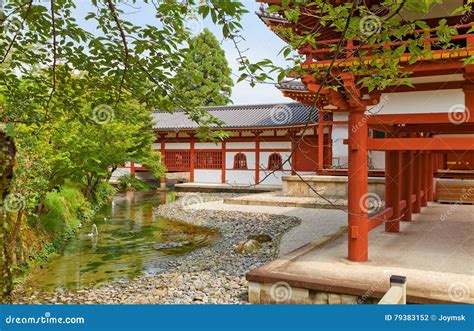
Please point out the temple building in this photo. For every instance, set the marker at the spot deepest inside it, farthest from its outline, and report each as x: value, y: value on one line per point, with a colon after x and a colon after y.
x: 418, y: 127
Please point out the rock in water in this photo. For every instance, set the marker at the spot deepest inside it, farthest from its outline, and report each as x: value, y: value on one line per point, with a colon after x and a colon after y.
x: 170, y: 245
x: 261, y: 238
x: 248, y: 247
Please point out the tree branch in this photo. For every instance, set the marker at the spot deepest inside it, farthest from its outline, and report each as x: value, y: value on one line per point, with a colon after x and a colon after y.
x: 119, y: 25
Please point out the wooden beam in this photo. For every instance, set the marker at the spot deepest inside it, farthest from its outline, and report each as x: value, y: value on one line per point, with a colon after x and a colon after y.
x: 427, y: 118
x: 421, y: 144
x: 437, y: 128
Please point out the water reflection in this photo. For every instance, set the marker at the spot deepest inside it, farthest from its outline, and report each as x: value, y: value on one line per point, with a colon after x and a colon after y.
x: 124, y: 247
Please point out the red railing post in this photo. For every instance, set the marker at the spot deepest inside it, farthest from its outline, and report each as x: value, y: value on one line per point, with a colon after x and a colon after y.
x: 424, y: 179
x: 417, y: 184
x: 392, y: 189
x: 407, y: 165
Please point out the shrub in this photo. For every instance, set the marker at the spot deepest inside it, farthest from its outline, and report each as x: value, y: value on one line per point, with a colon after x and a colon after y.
x: 127, y: 183
x: 103, y: 193
x: 64, y: 210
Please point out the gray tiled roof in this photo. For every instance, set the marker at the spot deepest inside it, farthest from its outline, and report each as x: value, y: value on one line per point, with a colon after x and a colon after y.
x: 248, y: 116
x: 265, y: 14
x: 292, y: 85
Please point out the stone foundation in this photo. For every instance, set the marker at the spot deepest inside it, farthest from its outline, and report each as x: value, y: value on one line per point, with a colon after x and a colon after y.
x: 331, y: 187
x: 282, y: 293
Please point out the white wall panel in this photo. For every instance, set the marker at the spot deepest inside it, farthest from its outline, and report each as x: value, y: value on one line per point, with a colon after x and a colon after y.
x: 421, y: 102
x: 240, y: 177
x: 157, y: 146
x: 273, y: 178
x: 207, y: 176
x: 178, y: 146
x: 241, y: 145
x: 339, y: 149
x: 207, y: 145
x: 377, y: 159
x: 275, y: 144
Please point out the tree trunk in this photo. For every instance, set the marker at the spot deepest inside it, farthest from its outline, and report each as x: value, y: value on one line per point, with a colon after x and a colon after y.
x: 14, y: 236
x: 39, y: 210
x: 7, y: 160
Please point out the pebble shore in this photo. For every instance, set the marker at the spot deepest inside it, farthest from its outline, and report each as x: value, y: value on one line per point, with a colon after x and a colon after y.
x: 212, y: 274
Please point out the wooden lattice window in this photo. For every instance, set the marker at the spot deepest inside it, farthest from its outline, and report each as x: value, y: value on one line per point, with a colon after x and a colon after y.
x: 208, y: 160
x: 178, y: 160
x: 275, y: 162
x: 240, y: 161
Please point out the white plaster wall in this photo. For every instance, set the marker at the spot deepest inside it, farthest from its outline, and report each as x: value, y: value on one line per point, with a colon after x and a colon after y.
x: 241, y: 145
x: 264, y: 159
x: 207, y: 176
x: 157, y: 146
x: 273, y: 178
x: 177, y: 146
x: 377, y: 159
x: 421, y: 102
x: 240, y: 177
x: 229, y: 159
x: 275, y: 144
x: 207, y: 146
x: 339, y: 149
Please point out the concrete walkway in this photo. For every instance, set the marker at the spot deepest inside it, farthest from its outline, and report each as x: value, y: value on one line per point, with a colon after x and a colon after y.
x: 435, y: 252
x: 315, y: 223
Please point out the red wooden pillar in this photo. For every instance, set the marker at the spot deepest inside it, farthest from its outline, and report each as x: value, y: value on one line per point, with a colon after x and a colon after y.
x: 329, y: 144
x: 392, y: 189
x: 162, y: 151
x: 191, y: 161
x: 358, y: 236
x: 417, y: 184
x: 429, y: 177
x: 132, y: 169
x: 257, y: 160
x: 293, y: 155
x: 424, y: 181
x: 223, y: 162
x: 407, y: 174
x: 320, y: 164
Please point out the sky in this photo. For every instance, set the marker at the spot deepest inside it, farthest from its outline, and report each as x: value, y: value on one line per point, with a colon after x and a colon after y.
x: 259, y: 42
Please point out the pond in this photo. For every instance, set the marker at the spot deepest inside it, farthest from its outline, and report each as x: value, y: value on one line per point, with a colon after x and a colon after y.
x: 123, y: 248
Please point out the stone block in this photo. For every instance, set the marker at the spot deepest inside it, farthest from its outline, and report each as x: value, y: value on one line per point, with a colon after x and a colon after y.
x: 334, y: 299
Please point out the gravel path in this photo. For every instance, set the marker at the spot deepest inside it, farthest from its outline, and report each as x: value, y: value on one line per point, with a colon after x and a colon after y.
x: 315, y: 223
x: 213, y: 274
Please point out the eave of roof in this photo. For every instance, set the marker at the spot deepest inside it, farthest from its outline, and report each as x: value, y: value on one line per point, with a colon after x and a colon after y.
x: 262, y: 116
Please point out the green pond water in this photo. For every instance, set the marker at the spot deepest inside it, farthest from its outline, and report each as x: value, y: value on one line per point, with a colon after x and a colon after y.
x: 124, y: 247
